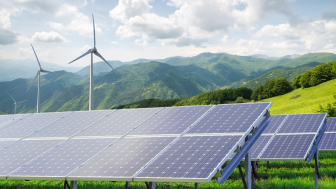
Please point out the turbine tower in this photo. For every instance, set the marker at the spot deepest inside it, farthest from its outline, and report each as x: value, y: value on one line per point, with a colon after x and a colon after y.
x: 92, y: 51
x: 15, y: 103
x: 39, y: 80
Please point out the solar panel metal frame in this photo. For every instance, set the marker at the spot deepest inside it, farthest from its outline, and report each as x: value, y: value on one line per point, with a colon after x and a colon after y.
x: 53, y: 177
x: 218, y: 167
x: 7, y: 123
x: 292, y: 159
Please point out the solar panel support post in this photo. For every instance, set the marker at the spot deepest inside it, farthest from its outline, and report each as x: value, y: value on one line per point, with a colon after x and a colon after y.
x: 128, y: 185
x: 317, y: 175
x: 196, y: 185
x: 248, y: 169
x: 73, y: 185
x: 254, y: 171
x: 150, y: 185
x: 230, y: 167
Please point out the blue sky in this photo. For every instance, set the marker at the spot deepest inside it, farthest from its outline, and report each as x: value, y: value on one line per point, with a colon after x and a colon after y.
x: 61, y: 30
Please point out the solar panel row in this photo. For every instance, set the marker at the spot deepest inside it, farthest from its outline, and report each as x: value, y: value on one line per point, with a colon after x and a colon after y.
x: 287, y: 137
x: 122, y: 158
x: 328, y: 142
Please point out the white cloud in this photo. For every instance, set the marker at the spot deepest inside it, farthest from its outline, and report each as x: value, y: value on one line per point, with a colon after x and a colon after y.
x: 57, y: 26
x: 7, y: 36
x: 52, y: 37
x: 225, y: 39
x: 195, y: 20
x: 114, y: 42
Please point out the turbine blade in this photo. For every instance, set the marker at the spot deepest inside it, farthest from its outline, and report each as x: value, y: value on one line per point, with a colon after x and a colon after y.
x: 11, y: 96
x: 50, y: 72
x: 36, y: 56
x: 88, y: 52
x: 94, y: 32
x: 100, y: 56
x: 33, y: 81
x: 21, y: 102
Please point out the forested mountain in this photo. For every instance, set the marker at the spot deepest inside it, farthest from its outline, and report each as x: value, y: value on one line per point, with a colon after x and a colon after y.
x: 183, y: 77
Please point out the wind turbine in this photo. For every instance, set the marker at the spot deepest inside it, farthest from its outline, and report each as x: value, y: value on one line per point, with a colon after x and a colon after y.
x: 39, y: 80
x: 92, y: 51
x: 15, y: 103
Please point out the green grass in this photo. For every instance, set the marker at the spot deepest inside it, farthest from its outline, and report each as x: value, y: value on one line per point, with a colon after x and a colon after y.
x: 279, y: 175
x: 308, y: 102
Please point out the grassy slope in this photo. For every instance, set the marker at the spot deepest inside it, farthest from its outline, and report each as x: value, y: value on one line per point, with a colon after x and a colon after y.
x: 309, y: 101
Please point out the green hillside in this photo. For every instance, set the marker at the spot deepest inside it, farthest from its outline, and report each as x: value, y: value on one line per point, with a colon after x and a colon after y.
x: 288, y: 74
x: 308, y: 102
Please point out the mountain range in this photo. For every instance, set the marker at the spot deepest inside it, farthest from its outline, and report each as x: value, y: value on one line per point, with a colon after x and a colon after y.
x: 175, y: 77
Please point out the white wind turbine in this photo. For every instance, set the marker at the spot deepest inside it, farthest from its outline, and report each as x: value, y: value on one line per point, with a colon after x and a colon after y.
x: 92, y: 51
x: 39, y: 80
x: 15, y: 103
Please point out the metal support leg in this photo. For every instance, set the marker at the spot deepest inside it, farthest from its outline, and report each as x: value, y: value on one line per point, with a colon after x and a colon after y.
x: 66, y: 185
x: 317, y: 175
x: 248, y: 169
x: 196, y: 185
x: 128, y: 185
x: 73, y: 185
x: 254, y: 171
x: 242, y: 176
x: 151, y: 185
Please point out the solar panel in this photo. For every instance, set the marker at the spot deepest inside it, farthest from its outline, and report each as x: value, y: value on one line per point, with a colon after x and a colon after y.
x: 20, y: 153
x: 274, y: 123
x: 190, y: 158
x: 120, y: 122
x: 5, y: 143
x: 171, y: 120
x: 71, y: 124
x: 29, y: 124
x: 331, y: 121
x: 328, y: 142
x: 63, y: 159
x: 235, y: 118
x: 123, y: 159
x: 8, y: 119
x: 288, y: 147
x: 303, y: 123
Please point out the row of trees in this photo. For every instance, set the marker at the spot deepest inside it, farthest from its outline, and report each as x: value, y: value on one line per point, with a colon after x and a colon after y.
x: 271, y: 88
x: 219, y: 96
x: 315, y: 76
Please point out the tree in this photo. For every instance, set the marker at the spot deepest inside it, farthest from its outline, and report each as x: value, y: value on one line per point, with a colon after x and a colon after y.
x: 304, y: 82
x: 333, y: 70
x: 296, y: 82
x: 281, y: 86
x: 255, y: 94
x: 319, y: 74
x: 239, y: 100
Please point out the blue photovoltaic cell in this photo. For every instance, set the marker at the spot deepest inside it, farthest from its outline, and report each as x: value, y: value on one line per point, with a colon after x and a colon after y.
x: 258, y: 146
x: 20, y: 153
x: 124, y: 158
x: 71, y: 124
x: 235, y: 118
x: 289, y: 147
x: 8, y: 119
x: 328, y: 142
x: 191, y: 157
x: 172, y: 120
x: 30, y: 124
x: 274, y: 123
x: 120, y: 122
x: 5, y: 143
x: 63, y: 159
x: 331, y: 127
x: 302, y: 123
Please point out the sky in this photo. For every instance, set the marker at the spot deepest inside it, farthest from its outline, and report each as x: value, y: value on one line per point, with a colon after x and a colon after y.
x: 61, y: 30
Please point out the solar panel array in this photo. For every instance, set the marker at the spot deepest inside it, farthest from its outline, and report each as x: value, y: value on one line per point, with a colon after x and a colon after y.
x: 287, y: 137
x: 139, y: 144
x: 328, y: 142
